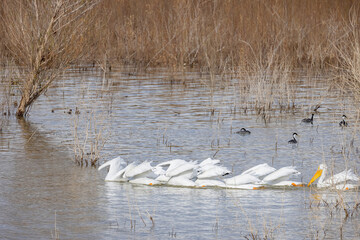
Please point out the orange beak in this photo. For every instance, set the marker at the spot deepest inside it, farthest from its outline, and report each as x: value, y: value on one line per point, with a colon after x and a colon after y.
x: 316, y: 176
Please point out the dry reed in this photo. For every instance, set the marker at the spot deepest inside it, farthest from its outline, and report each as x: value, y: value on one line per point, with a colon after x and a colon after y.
x: 266, y: 39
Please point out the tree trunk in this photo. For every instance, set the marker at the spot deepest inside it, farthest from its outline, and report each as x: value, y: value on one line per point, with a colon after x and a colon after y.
x: 21, y: 108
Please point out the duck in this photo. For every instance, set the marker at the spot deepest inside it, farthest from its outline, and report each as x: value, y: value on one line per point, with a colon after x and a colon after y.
x: 115, y: 166
x: 308, y: 120
x: 243, y: 131
x: 293, y: 140
x: 338, y: 181
x: 343, y: 123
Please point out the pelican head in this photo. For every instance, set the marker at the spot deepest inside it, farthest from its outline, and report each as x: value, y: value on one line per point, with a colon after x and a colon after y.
x: 319, y: 172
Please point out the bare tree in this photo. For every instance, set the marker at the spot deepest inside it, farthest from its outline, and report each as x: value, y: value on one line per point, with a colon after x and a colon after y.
x: 44, y: 38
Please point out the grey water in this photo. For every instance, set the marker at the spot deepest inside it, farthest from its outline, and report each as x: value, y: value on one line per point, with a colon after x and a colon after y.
x: 158, y: 116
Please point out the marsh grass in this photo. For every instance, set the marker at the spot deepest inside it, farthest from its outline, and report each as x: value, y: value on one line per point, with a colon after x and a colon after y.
x: 90, y: 137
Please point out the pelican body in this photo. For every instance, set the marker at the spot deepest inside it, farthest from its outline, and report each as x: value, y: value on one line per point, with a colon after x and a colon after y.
x: 337, y: 181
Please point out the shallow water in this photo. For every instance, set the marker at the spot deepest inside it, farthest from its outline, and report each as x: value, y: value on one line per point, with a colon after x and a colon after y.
x: 144, y: 117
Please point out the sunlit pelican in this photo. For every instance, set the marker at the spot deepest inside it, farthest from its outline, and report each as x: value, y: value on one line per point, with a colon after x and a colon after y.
x: 293, y: 141
x: 281, y: 175
x: 144, y: 169
x: 289, y: 184
x: 338, y: 181
x: 249, y: 186
x: 209, y: 161
x: 210, y: 183
x: 178, y: 173
x: 144, y: 181
x: 241, y: 180
x: 115, y: 165
x: 181, y: 181
x: 186, y: 167
x: 260, y: 170
x: 308, y: 120
x: 212, y: 171
x: 343, y: 123
x: 243, y: 131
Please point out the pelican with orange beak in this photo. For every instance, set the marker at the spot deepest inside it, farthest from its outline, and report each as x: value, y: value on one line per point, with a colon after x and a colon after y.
x: 337, y: 181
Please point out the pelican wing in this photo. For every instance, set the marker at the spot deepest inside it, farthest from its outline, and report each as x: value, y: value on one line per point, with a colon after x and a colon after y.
x: 172, y: 164
x: 142, y: 168
x: 241, y: 179
x: 260, y: 170
x: 344, y: 176
x: 209, y: 161
x: 210, y: 183
x: 281, y: 174
x: 187, y: 166
x: 181, y: 181
x: 215, y: 171
x: 118, y: 161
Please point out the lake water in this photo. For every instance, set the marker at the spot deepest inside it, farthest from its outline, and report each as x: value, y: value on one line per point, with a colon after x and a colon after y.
x: 161, y: 116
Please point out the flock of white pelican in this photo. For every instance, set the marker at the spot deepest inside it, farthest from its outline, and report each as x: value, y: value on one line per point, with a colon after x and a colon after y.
x: 209, y: 173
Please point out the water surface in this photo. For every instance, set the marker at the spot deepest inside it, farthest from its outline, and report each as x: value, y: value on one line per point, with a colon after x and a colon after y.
x: 161, y: 116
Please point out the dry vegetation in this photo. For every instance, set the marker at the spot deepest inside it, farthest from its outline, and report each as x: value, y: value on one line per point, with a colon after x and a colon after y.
x: 249, y: 38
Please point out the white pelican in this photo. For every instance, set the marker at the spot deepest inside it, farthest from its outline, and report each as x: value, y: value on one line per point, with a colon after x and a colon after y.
x: 210, y: 183
x: 209, y: 161
x: 338, y: 181
x: 212, y: 172
x: 138, y: 174
x: 260, y: 170
x: 178, y: 173
x: 145, y: 181
x: 248, y: 186
x: 137, y: 171
x: 281, y: 175
x: 181, y: 181
x: 182, y: 168
x: 115, y: 165
x: 241, y: 180
x: 172, y: 164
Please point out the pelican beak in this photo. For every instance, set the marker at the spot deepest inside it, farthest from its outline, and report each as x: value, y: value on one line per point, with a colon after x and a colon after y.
x: 316, y: 176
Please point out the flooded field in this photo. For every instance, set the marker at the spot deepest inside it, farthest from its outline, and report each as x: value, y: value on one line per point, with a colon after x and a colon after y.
x: 160, y: 116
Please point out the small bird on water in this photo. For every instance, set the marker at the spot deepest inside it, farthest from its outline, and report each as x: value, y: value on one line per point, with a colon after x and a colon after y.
x: 243, y: 131
x: 293, y: 140
x: 308, y: 120
x: 343, y: 123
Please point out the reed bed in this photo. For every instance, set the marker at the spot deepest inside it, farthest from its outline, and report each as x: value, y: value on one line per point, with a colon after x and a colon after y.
x: 211, y: 35
x: 266, y: 39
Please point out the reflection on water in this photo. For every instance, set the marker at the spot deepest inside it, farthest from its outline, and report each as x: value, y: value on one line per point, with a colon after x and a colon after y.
x: 146, y: 118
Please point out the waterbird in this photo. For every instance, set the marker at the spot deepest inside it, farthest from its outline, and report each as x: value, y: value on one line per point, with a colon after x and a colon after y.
x: 337, y: 181
x: 281, y: 177
x: 115, y: 165
x: 308, y: 120
x: 343, y: 123
x: 293, y: 140
x: 243, y: 131
x: 260, y: 170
